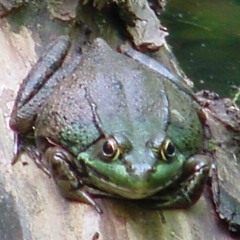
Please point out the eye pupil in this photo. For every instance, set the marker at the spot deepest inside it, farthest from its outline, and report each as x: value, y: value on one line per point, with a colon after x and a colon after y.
x: 167, y: 150
x: 108, y: 148
x: 170, y: 150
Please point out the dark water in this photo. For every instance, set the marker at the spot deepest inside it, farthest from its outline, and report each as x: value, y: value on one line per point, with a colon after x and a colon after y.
x: 205, y: 36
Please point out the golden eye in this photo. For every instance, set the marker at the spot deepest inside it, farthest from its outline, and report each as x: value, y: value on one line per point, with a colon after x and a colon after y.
x: 110, y: 149
x: 167, y: 150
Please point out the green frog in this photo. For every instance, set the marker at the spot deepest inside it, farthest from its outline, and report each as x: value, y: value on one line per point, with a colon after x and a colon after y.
x: 104, y: 124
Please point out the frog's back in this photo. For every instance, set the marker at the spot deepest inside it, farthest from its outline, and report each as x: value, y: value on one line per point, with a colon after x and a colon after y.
x: 109, y: 93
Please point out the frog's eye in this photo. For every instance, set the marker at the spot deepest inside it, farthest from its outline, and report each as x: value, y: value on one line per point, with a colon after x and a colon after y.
x: 110, y: 149
x: 167, y: 150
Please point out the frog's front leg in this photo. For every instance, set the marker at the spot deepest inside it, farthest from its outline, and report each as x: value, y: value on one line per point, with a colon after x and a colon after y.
x: 35, y: 88
x: 188, y: 191
x: 64, y: 174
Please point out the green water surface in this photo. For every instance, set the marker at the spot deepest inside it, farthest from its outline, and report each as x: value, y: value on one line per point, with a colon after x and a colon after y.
x: 205, y: 36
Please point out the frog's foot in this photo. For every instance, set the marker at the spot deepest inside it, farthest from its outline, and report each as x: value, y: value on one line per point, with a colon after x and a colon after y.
x: 25, y: 145
x: 179, y: 78
x: 147, y: 61
x: 64, y: 173
x: 18, y: 147
x: 196, y: 172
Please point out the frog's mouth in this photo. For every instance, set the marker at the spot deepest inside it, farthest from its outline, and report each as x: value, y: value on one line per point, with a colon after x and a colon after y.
x: 125, y: 192
x: 132, y: 188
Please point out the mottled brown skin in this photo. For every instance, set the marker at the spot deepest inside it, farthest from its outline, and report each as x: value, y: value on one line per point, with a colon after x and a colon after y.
x: 114, y: 127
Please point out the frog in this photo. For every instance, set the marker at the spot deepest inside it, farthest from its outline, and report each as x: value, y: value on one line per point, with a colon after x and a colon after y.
x: 104, y: 124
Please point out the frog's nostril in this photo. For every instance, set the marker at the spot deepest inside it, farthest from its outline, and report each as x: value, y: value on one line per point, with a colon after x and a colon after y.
x: 130, y: 169
x: 151, y: 170
x: 141, y: 171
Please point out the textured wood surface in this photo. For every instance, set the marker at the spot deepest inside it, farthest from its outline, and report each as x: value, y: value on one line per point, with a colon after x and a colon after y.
x: 30, y: 205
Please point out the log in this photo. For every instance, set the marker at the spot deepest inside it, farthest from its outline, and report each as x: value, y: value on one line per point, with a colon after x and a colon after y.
x: 31, y: 206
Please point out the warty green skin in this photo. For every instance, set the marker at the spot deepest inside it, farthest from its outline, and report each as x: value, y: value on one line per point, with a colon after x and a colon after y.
x: 111, y: 98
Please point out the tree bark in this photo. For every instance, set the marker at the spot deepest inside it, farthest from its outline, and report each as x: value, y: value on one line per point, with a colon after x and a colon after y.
x: 31, y: 207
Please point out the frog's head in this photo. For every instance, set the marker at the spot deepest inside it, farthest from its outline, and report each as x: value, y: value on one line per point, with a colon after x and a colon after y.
x: 132, y: 168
